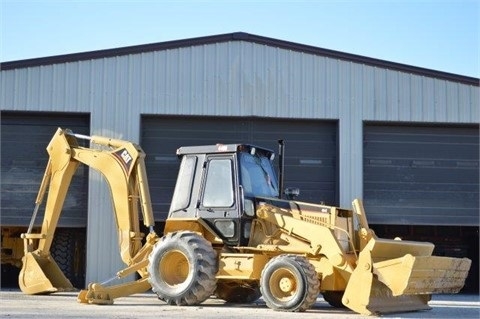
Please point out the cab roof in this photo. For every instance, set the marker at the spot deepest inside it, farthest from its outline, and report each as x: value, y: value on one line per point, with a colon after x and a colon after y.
x: 222, y: 148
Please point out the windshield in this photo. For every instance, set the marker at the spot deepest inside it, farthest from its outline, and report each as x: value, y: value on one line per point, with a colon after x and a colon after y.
x: 257, y: 176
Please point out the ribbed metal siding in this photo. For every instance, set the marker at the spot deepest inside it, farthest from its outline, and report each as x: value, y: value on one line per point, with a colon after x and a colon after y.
x: 241, y: 79
x: 236, y: 78
x: 396, y: 96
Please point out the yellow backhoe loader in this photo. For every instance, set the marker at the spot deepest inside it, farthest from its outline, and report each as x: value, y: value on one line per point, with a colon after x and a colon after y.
x: 229, y: 233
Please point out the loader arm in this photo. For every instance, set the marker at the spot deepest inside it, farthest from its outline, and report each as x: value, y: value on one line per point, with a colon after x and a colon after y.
x: 124, y: 170
x: 302, y: 235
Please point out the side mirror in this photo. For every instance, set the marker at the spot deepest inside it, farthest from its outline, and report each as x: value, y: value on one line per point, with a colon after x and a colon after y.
x: 291, y: 192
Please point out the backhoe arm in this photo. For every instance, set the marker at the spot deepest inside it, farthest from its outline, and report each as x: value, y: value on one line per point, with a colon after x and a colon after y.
x: 124, y: 170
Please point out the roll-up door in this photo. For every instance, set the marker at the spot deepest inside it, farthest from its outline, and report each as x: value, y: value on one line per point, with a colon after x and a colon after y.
x: 421, y: 175
x: 24, y: 138
x: 311, y: 151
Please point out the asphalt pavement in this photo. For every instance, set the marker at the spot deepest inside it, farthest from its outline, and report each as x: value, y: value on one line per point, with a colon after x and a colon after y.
x: 15, y: 304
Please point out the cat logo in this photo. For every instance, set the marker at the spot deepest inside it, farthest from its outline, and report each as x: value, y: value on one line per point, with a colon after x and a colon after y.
x: 124, y: 158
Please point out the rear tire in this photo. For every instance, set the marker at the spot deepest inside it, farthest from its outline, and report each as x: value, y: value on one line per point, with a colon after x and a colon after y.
x: 235, y: 292
x: 289, y: 283
x: 182, y: 268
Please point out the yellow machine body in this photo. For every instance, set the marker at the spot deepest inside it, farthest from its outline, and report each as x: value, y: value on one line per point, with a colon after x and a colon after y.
x: 292, y: 250
x: 370, y: 275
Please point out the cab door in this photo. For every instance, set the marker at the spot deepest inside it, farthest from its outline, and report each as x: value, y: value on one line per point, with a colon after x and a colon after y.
x: 218, y: 204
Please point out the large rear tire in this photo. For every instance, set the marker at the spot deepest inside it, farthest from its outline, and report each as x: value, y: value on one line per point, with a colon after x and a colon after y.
x: 182, y: 268
x: 234, y: 292
x: 289, y: 283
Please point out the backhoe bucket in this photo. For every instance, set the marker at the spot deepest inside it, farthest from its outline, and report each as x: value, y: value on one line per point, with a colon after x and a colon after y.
x: 399, y: 276
x: 41, y: 275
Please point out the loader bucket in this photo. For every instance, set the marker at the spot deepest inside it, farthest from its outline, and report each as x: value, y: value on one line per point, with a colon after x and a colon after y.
x: 41, y: 275
x: 405, y: 281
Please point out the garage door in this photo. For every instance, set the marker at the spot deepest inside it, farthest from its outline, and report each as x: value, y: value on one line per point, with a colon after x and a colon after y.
x: 24, y: 138
x: 310, y: 162
x: 421, y: 175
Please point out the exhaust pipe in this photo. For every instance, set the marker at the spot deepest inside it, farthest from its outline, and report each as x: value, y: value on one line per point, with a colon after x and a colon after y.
x: 281, y: 167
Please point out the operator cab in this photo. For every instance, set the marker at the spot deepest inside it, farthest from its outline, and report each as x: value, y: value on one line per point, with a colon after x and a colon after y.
x: 219, y: 184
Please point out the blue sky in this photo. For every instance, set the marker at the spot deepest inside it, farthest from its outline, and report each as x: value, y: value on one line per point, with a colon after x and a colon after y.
x: 441, y: 35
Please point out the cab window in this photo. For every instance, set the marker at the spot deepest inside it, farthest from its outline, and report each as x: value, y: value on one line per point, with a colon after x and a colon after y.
x: 219, y: 184
x: 183, y: 189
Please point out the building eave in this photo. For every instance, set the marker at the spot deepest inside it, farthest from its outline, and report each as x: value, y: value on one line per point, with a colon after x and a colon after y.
x: 238, y: 36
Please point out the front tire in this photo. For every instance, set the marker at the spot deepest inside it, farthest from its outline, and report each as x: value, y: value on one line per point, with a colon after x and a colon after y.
x: 289, y: 283
x: 182, y: 268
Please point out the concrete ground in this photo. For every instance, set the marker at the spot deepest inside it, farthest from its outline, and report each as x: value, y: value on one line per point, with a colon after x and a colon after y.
x: 14, y: 304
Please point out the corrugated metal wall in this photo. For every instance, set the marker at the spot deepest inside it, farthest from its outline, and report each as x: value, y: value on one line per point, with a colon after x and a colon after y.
x: 235, y: 78
x: 238, y: 79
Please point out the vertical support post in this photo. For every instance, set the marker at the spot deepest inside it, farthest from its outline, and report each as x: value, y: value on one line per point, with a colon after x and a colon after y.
x: 281, y: 167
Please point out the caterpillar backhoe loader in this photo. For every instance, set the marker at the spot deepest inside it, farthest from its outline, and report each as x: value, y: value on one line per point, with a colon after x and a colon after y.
x: 230, y: 233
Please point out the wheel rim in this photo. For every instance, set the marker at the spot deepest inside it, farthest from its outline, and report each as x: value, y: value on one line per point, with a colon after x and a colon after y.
x: 283, y: 284
x: 174, y: 268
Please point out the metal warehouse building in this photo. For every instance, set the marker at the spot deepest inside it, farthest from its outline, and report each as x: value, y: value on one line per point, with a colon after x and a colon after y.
x: 403, y: 138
